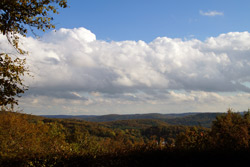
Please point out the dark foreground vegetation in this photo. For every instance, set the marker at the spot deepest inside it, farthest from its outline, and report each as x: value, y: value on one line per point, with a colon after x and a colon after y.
x: 27, y: 140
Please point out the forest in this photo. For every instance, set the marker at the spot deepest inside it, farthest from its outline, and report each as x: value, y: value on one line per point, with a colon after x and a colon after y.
x: 28, y: 140
x: 190, y: 119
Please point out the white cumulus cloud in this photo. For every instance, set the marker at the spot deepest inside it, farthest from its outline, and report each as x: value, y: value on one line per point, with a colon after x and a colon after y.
x: 72, y: 67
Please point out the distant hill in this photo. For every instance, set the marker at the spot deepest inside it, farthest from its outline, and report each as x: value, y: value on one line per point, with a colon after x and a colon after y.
x: 189, y: 119
x: 68, y: 116
x: 113, y: 117
x: 201, y: 119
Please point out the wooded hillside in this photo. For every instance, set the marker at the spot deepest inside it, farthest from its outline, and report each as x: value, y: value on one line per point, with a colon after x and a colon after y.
x: 27, y: 140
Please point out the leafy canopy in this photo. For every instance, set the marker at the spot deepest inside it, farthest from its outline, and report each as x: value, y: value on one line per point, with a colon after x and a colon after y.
x: 16, y: 16
x: 10, y: 79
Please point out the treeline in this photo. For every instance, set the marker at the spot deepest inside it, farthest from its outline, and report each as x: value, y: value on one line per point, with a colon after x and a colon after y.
x: 189, y: 119
x: 27, y: 140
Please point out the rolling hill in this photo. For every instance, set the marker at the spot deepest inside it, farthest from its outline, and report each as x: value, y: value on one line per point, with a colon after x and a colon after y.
x: 189, y: 119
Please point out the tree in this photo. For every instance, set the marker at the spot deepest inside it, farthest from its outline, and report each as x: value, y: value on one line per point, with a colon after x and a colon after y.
x: 16, y: 16
x: 11, y: 82
x: 193, y: 139
x: 231, y: 131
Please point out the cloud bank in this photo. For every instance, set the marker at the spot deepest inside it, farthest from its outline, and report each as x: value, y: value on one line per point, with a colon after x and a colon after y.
x: 76, y: 73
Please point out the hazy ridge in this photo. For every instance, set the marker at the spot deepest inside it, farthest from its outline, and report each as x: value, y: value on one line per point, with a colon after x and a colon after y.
x: 189, y: 119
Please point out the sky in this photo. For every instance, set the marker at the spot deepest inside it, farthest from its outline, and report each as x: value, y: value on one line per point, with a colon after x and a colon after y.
x: 140, y: 56
x: 146, y: 20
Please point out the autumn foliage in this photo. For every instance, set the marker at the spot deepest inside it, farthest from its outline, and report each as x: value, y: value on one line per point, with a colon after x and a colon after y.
x: 27, y: 140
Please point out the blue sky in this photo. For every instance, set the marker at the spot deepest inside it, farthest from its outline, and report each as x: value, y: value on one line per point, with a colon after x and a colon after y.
x: 120, y: 20
x: 140, y: 56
